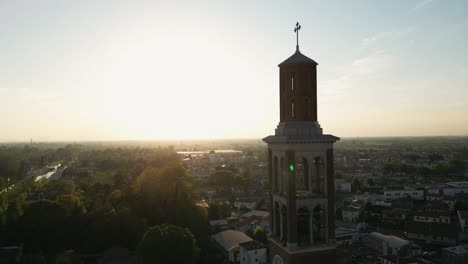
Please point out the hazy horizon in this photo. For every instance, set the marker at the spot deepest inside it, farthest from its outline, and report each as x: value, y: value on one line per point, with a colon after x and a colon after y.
x: 215, y: 140
x: 181, y: 70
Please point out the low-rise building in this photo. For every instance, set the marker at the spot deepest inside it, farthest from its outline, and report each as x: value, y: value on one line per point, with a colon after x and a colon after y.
x: 406, y: 203
x: 259, y: 213
x: 437, y: 207
x: 246, y: 204
x: 390, y: 195
x: 346, y: 235
x: 11, y: 254
x: 447, y: 191
x: 450, y: 202
x: 218, y: 225
x: 228, y: 241
x: 395, y: 214
x: 434, y: 197
x: 384, y: 244
x: 463, y: 220
x: 398, y: 260
x: 352, y: 212
x: 252, y: 252
x: 429, y: 217
x: 249, y: 224
x: 342, y: 186
x: 432, y: 233
x: 455, y: 255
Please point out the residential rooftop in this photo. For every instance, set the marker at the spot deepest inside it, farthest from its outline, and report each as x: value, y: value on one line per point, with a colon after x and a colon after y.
x: 230, y: 238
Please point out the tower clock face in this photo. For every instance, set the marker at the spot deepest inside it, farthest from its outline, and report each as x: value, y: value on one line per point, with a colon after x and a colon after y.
x: 278, y: 260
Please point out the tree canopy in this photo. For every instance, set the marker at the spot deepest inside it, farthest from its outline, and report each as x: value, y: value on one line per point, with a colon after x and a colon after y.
x: 168, y: 244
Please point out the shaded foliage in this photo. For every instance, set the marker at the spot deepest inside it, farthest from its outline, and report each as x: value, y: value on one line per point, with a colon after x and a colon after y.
x: 168, y: 244
x: 259, y: 234
x: 86, y: 214
x: 42, y: 227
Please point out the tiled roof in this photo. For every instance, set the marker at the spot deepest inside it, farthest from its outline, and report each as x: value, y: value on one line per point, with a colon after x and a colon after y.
x: 298, y: 58
x: 230, y: 238
x: 458, y: 250
x: 251, y: 245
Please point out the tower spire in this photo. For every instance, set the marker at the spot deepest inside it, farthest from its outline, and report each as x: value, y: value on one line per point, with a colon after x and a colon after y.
x: 296, y: 29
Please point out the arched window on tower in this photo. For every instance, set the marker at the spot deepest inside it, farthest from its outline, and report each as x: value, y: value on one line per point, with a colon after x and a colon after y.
x: 319, y: 225
x: 317, y: 182
x: 282, y: 177
x: 275, y: 175
x: 277, y: 220
x: 284, y: 224
x: 302, y: 174
x: 303, y: 226
x: 293, y: 114
x: 292, y: 83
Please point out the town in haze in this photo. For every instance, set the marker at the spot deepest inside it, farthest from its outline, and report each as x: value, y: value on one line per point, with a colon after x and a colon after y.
x: 91, y: 202
x: 141, y: 132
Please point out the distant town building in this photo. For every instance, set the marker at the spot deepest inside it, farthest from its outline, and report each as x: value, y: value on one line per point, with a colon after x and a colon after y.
x: 342, y: 186
x: 390, y: 195
x: 385, y: 245
x: 246, y: 204
x: 451, y: 189
x: 433, y: 197
x: 428, y: 217
x: 395, y: 214
x: 432, y: 233
x: 455, y: 255
x: 353, y: 211
x: 435, y: 211
x: 398, y: 260
x: 460, y: 184
x: 463, y: 220
x: 346, y: 235
x: 350, y: 213
x: 210, y: 194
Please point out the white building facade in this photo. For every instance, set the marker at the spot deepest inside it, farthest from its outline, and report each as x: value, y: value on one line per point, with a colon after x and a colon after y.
x: 390, y: 195
x: 252, y: 252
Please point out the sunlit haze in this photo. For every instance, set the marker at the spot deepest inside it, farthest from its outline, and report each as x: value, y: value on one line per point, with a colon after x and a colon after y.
x: 150, y: 70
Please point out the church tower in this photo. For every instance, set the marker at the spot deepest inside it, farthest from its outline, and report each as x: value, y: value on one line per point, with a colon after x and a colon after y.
x: 300, y: 171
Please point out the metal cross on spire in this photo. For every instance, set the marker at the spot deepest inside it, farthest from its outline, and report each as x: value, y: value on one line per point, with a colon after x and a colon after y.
x: 296, y: 29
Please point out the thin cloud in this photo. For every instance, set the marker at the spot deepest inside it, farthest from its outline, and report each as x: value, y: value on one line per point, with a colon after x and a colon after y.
x: 465, y: 71
x: 421, y: 4
x: 360, y: 70
x: 388, y: 35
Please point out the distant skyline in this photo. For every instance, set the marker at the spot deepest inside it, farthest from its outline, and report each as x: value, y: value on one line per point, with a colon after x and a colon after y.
x: 155, y: 70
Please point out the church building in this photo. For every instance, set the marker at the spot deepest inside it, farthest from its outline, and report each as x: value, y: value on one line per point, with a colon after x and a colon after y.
x: 300, y: 171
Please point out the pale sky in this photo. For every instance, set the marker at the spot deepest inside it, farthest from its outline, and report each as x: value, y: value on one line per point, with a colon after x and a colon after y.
x: 151, y: 70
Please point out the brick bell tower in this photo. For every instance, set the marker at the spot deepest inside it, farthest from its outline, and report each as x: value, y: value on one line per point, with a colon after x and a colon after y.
x: 300, y: 171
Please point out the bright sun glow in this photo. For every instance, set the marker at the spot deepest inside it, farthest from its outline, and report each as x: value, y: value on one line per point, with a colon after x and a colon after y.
x: 117, y: 70
x: 157, y: 83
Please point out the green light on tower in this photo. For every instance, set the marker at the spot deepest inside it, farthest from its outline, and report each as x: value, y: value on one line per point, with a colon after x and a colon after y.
x: 291, y: 167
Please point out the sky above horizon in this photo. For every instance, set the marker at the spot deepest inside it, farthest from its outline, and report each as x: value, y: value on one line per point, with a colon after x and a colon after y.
x: 152, y: 70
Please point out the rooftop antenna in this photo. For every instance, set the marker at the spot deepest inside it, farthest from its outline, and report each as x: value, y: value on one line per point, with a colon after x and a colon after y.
x: 296, y: 29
